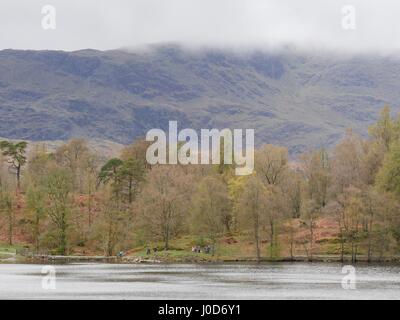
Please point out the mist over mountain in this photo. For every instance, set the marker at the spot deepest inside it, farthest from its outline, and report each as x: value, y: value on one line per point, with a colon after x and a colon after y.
x: 290, y: 98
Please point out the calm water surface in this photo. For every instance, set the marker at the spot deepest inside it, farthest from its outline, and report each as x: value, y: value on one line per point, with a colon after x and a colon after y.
x: 187, y: 281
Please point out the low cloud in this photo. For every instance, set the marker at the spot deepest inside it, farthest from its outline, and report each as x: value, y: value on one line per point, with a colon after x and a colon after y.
x: 104, y: 24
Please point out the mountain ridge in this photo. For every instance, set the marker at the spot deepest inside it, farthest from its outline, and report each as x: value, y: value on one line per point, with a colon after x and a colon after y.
x: 293, y: 99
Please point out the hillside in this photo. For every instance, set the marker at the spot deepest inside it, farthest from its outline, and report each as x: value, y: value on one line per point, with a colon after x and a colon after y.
x: 291, y: 99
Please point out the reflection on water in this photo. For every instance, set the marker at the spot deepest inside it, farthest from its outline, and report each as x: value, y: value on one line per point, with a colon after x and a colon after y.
x: 187, y: 281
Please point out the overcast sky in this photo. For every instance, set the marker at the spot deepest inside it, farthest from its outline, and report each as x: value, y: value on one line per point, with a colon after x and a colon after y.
x: 110, y: 24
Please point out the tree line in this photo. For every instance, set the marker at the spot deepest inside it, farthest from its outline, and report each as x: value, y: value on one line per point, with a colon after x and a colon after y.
x: 72, y: 200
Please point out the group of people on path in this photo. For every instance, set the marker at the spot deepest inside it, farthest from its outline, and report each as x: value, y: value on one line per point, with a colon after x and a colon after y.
x: 198, y: 249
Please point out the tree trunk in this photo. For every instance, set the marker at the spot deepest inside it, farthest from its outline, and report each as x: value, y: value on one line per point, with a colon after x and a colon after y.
x: 341, y: 242
x: 166, y: 243
x: 109, y: 241
x: 311, y: 239
x: 355, y: 253
x: 257, y: 240
x: 37, y: 234
x: 214, y: 241
x: 18, y: 177
x: 166, y: 237
x: 291, y: 241
x: 10, y: 225
x: 10, y: 230
x: 272, y: 231
x: 341, y: 249
x: 370, y: 241
x: 130, y: 195
x: 90, y: 205
x: 63, y: 243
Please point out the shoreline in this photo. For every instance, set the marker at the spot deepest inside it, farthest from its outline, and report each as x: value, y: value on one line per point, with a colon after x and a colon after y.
x: 43, y: 259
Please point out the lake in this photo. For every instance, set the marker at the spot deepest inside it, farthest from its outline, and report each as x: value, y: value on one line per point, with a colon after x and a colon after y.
x: 194, y: 281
